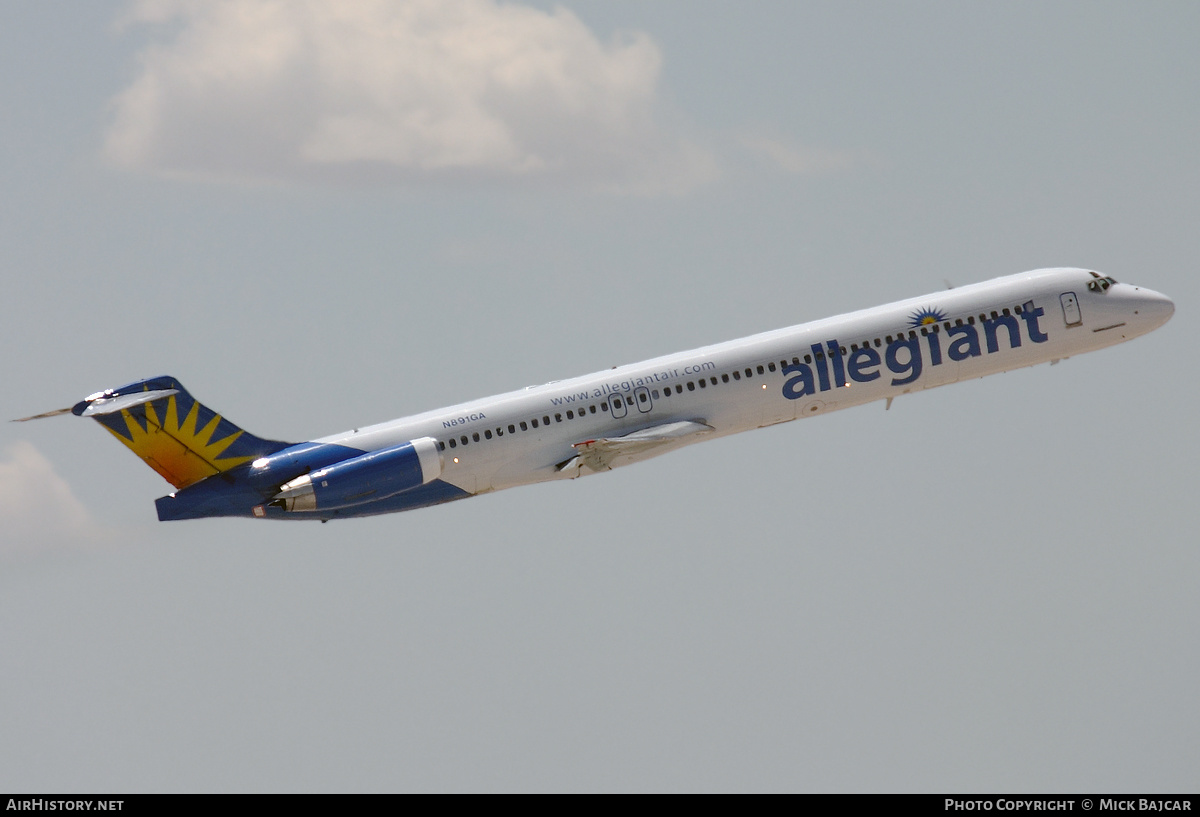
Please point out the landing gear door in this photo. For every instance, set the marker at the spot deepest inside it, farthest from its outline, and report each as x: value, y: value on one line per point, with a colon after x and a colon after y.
x: 1070, y: 308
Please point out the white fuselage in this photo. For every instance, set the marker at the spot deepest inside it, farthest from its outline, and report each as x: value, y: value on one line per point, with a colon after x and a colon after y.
x: 1007, y: 323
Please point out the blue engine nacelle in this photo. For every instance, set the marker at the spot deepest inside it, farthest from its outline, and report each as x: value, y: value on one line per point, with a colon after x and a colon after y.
x: 366, y: 478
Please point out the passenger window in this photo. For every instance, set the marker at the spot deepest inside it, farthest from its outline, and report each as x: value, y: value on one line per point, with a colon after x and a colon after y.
x: 724, y: 378
x: 546, y: 420
x: 557, y: 418
x: 691, y: 386
x: 441, y: 446
x: 523, y: 426
x: 703, y: 385
x: 512, y: 429
x: 463, y: 439
x: 533, y: 422
x: 453, y: 444
x: 737, y: 375
x: 760, y: 369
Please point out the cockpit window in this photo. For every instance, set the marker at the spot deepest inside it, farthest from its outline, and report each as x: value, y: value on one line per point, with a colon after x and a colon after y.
x: 1100, y: 284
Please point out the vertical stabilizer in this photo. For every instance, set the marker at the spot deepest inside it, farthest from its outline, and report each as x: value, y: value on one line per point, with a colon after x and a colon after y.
x: 173, y: 432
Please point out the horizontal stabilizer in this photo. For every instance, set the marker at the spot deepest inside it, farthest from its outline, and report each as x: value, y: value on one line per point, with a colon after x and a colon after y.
x: 105, y: 402
x: 111, y: 405
x: 44, y: 415
x: 599, y: 454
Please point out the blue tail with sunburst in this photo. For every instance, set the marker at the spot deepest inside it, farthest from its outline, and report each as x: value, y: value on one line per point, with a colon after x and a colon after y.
x: 174, y: 433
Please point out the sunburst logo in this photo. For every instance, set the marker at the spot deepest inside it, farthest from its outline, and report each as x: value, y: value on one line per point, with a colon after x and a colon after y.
x: 179, y: 451
x: 926, y: 316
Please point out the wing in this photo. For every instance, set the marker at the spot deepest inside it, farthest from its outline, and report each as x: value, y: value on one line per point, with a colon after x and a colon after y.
x: 599, y: 454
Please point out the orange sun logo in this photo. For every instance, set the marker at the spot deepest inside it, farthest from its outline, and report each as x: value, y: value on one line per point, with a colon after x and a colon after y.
x: 926, y: 316
x: 181, y: 453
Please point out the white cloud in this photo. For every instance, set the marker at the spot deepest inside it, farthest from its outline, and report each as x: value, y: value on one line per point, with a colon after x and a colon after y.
x: 396, y: 90
x: 38, y: 511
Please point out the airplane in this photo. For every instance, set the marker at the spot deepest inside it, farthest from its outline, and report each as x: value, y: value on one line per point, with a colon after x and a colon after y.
x: 586, y: 425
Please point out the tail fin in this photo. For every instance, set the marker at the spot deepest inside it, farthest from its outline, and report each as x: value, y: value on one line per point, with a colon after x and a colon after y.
x: 177, y: 436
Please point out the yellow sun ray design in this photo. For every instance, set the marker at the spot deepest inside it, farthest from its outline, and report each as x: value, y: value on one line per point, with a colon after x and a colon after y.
x: 179, y: 452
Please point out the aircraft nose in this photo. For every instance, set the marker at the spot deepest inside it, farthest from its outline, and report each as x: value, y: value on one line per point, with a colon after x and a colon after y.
x: 1154, y: 307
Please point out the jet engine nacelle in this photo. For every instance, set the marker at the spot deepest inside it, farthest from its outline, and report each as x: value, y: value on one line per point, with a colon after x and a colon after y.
x: 366, y: 478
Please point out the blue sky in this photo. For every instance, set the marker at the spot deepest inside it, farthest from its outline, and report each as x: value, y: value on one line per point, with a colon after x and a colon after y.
x: 320, y: 216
